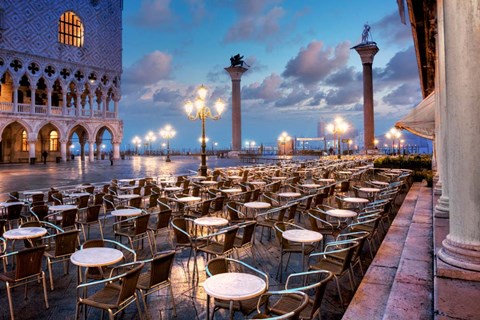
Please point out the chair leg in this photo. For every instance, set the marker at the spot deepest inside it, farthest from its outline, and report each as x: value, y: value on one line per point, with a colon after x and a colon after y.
x: 339, y: 292
x: 10, y: 302
x: 173, y: 301
x: 352, y: 280
x: 50, y: 273
x: 137, y: 302
x: 45, y: 290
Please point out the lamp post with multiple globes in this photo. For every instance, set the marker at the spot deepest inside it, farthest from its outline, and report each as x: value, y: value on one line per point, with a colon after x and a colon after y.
x: 137, y: 142
x: 337, y: 127
x: 202, y: 112
x: 150, y: 138
x: 167, y: 133
x: 283, y: 139
x: 392, y: 134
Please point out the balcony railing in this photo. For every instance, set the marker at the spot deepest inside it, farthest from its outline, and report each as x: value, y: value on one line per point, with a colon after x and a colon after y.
x: 26, y: 108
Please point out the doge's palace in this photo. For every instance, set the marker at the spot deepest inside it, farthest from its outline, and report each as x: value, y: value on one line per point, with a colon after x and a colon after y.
x: 60, y: 68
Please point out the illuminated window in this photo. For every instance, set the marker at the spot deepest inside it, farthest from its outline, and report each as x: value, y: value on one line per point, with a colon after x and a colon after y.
x: 54, y: 141
x: 24, y: 141
x: 70, y: 29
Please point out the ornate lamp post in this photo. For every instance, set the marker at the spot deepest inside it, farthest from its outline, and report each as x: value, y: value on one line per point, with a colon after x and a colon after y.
x: 283, y: 139
x: 136, y: 142
x: 392, y: 134
x: 203, y: 112
x: 338, y: 127
x: 167, y: 133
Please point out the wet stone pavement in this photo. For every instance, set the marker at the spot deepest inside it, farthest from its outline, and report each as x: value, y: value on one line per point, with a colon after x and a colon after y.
x: 190, y: 299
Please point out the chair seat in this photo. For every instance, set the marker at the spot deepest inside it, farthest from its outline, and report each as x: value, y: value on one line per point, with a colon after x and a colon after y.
x: 144, y: 281
x: 296, y: 247
x: 212, y: 247
x: 326, y: 264
x: 105, y: 298
x: 8, y: 276
x: 287, y: 303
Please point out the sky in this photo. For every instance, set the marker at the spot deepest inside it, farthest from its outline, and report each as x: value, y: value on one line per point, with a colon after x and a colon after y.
x: 302, y: 69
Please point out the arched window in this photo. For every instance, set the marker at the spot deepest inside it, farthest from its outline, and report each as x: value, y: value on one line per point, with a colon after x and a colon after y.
x: 70, y: 29
x: 24, y: 141
x: 53, y: 141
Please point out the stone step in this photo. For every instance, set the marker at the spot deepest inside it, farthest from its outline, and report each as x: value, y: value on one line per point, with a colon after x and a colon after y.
x: 411, y: 293
x: 372, y: 296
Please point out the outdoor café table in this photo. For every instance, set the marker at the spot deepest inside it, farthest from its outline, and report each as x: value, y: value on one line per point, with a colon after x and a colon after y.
x: 211, y: 222
x: 62, y: 207
x: 379, y: 183
x: 234, y: 177
x: 4, y: 205
x: 326, y: 180
x: 29, y: 194
x: 188, y: 199
x: 197, y: 178
x: 355, y: 201
x: 303, y: 236
x: 78, y: 194
x: 27, y: 233
x: 94, y: 257
x: 279, y: 178
x: 257, y: 205
x: 172, y: 189
x: 257, y: 183
x: 233, y: 286
x: 128, y: 212
x: 289, y: 195
x: 341, y: 213
x: 344, y: 172
x: 209, y: 183
x: 370, y: 191
x: 231, y: 190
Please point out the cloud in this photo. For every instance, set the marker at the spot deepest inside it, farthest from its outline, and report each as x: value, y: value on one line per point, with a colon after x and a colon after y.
x: 407, y: 94
x: 197, y: 9
x: 256, y: 27
x: 402, y: 67
x: 150, y: 69
x: 167, y: 95
x: 153, y: 13
x: 268, y: 90
x: 314, y: 63
x: 391, y: 31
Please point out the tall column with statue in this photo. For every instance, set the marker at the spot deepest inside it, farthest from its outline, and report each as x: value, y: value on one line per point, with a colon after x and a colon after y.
x: 236, y: 70
x: 367, y: 50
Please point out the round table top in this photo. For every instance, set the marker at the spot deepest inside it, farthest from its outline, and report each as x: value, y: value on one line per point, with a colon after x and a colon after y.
x: 234, y: 286
x: 31, y: 193
x: 301, y: 235
x: 126, y: 180
x: 167, y: 181
x: 355, y: 200
x: 127, y: 196
x: 197, y: 178
x: 128, y: 212
x: 8, y: 204
x: 173, y: 188
x: 310, y: 185
x: 211, y: 221
x: 393, y: 174
x: 344, y: 172
x: 257, y: 205
x: 258, y: 183
x: 62, y: 207
x: 234, y: 177
x: 232, y: 190
x: 78, y: 194
x: 289, y: 194
x: 279, y: 178
x: 96, y: 257
x: 128, y: 187
x: 369, y: 189
x: 380, y: 183
x: 208, y: 182
x: 326, y: 180
x: 189, y: 199
x: 24, y: 233
x: 341, y: 213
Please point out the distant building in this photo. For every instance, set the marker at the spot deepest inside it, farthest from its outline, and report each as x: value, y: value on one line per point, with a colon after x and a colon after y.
x: 60, y: 68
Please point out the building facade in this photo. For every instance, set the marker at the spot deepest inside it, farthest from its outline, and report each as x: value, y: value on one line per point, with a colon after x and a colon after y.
x: 60, y: 69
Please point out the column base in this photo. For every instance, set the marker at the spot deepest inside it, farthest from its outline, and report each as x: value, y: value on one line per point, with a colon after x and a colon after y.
x: 442, y: 209
x: 460, y: 255
x: 437, y: 190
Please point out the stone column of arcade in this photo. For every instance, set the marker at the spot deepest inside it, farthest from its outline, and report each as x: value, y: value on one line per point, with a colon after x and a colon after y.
x: 461, y: 247
x: 63, y: 149
x: 91, y: 151
x: 442, y: 208
x: 31, y: 149
x: 116, y: 150
x: 236, y: 76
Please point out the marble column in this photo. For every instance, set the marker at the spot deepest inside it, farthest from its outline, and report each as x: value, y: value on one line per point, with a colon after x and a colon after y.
x: 116, y: 150
x: 367, y: 53
x: 31, y: 147
x: 32, y: 100
x: 91, y: 151
x: 99, y: 149
x: 236, y: 76
x: 49, y: 99
x: 63, y: 149
x: 15, y: 97
x: 64, y: 102
x: 461, y: 247
x: 442, y: 207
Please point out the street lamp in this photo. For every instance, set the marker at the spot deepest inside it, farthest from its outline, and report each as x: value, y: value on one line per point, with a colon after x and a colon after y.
x: 392, y: 134
x: 150, y: 137
x: 137, y: 142
x: 338, y: 127
x: 250, y: 145
x: 203, y: 112
x: 283, y: 139
x: 167, y: 133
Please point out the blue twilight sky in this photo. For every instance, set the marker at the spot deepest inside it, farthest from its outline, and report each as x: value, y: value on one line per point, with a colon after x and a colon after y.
x: 302, y: 69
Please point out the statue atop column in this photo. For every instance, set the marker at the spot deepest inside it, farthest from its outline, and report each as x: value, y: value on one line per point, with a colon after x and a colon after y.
x: 367, y: 39
x: 237, y: 60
